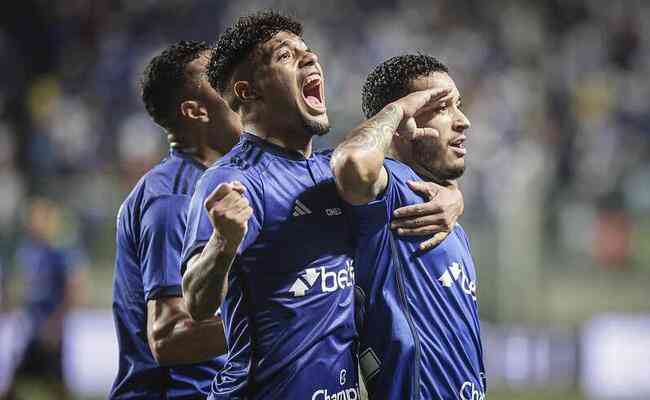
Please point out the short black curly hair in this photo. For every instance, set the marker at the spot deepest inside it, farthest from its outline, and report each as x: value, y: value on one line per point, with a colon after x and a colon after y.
x: 390, y: 80
x: 164, y: 79
x: 236, y: 43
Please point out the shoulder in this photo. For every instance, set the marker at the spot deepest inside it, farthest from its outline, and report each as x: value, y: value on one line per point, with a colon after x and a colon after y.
x: 153, y: 193
x: 245, y: 163
x: 462, y: 235
x: 157, y: 181
x: 324, y: 154
x: 400, y: 170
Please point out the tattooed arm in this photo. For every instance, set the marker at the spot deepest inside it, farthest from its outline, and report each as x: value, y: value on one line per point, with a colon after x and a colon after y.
x: 357, y: 163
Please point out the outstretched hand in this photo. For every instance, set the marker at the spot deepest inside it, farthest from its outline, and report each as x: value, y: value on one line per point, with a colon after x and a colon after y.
x: 435, y: 217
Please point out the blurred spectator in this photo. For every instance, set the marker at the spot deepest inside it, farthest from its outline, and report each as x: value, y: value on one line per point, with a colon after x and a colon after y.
x: 52, y: 278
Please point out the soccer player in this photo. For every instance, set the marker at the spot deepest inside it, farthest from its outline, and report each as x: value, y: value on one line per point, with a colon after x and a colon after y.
x: 269, y: 208
x: 420, y: 336
x: 53, y: 280
x: 155, y: 333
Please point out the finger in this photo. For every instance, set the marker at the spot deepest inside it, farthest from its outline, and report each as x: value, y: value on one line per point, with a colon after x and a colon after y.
x: 427, y: 188
x: 426, y: 131
x: 430, y: 96
x: 417, y: 210
x: 425, y: 230
x: 238, y: 187
x: 244, y: 214
x: 232, y: 200
x: 240, y: 205
x: 434, y: 241
x: 427, y: 220
x: 221, y: 191
x: 407, y: 127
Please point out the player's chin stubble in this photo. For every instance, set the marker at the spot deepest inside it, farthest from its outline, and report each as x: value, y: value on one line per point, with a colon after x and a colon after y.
x: 316, y: 128
x: 434, y: 158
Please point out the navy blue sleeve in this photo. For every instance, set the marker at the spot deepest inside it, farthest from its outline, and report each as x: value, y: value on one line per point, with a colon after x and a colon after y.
x: 199, y: 227
x: 161, y: 234
x: 374, y: 216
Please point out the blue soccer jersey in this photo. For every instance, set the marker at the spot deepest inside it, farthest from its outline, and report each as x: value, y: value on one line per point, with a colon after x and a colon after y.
x: 46, y: 270
x: 420, y: 335
x: 150, y: 229
x: 292, y: 281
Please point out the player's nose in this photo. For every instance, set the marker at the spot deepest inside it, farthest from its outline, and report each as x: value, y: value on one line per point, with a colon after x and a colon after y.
x: 308, y: 58
x: 461, y: 122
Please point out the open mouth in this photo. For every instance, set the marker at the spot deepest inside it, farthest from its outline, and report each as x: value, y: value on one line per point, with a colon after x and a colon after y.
x: 312, y: 92
x: 458, y: 145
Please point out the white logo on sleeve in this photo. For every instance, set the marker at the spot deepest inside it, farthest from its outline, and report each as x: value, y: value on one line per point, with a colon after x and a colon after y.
x: 456, y: 273
x: 330, y: 281
x: 300, y: 209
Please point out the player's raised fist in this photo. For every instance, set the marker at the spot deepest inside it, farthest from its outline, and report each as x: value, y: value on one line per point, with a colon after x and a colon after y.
x: 229, y: 211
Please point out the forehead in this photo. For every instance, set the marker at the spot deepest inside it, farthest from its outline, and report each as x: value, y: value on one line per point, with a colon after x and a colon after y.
x: 435, y: 80
x: 281, y: 39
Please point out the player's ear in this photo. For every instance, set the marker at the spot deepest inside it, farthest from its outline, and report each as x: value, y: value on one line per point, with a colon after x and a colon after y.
x: 194, y: 110
x: 244, y: 91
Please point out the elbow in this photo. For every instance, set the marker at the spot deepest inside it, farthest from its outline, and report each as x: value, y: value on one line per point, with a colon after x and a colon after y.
x: 352, y: 171
x: 159, y: 349
x: 160, y: 345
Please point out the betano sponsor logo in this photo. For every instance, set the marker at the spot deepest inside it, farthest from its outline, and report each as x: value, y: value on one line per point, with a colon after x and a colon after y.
x: 330, y: 281
x: 456, y: 273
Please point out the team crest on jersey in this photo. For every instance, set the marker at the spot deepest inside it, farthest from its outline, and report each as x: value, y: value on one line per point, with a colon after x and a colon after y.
x: 455, y: 274
x: 330, y: 281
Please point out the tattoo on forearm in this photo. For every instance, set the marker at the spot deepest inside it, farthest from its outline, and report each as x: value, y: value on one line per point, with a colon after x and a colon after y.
x: 374, y: 135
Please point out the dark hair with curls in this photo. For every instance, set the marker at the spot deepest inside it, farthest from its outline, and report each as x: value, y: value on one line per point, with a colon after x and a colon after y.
x: 390, y: 80
x: 164, y: 79
x: 236, y: 43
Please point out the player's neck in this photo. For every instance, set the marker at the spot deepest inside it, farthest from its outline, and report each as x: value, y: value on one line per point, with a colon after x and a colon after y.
x: 196, y: 146
x: 284, y: 138
x: 398, y: 153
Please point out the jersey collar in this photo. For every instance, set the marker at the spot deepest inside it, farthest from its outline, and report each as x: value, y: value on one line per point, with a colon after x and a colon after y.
x: 179, y: 154
x: 272, y: 148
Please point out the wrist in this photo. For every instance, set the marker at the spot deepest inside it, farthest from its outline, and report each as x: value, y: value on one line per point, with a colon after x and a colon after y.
x: 396, y: 109
x: 222, y: 244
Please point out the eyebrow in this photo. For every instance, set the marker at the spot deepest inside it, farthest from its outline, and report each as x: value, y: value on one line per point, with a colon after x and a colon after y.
x: 284, y: 43
x: 289, y: 43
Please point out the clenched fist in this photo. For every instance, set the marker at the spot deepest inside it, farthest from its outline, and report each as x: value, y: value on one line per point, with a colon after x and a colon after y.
x: 229, y: 211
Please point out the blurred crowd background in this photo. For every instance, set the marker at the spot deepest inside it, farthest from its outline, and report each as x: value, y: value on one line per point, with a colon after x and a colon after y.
x: 557, y: 192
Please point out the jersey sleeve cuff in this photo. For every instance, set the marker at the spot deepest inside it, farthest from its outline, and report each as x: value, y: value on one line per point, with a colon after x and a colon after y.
x: 165, y: 291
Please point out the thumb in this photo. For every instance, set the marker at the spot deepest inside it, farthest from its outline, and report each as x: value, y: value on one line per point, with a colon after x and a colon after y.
x: 238, y: 187
x: 407, y: 127
x: 427, y: 189
x: 218, y: 193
